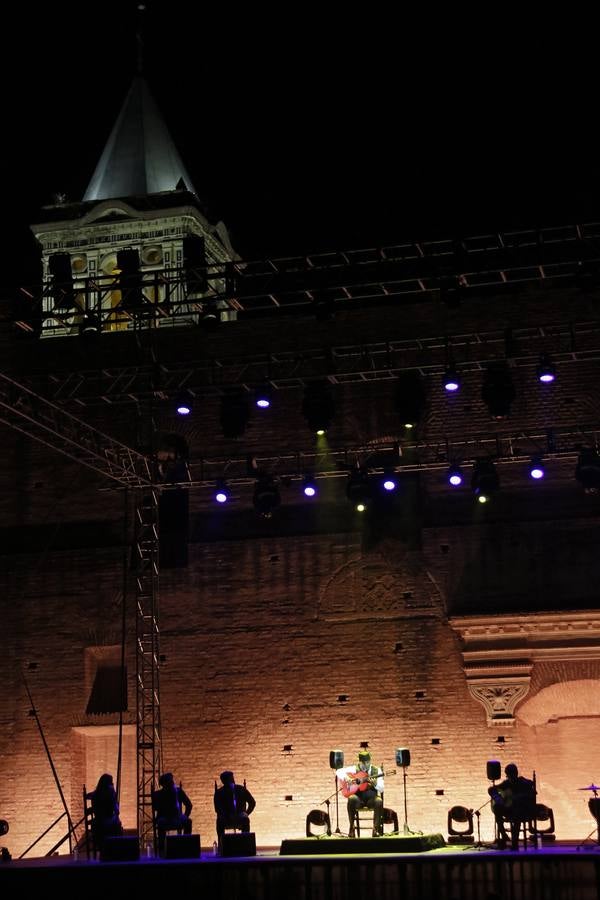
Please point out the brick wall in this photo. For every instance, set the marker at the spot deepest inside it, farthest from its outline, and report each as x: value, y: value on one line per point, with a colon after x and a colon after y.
x: 287, y: 638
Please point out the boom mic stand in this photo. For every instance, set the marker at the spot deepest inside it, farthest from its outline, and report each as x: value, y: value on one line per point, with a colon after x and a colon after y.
x: 478, y: 845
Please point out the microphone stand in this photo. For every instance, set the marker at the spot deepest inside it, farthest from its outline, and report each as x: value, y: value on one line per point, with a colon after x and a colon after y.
x: 406, y: 829
x: 478, y: 845
x: 337, y: 809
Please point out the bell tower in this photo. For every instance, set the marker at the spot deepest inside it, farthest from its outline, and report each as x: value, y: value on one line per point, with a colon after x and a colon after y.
x: 139, y: 242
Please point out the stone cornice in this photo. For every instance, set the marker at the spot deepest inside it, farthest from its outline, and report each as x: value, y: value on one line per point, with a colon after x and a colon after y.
x: 499, y: 652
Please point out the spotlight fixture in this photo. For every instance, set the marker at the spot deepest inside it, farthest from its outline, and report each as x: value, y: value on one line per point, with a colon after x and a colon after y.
x: 262, y: 396
x: 89, y: 327
x: 358, y: 489
x: 234, y: 413
x: 587, y: 471
x: 498, y: 391
x: 409, y: 398
x: 451, y: 380
x: 546, y: 370
x: 184, y: 403
x: 266, y: 496
x: 485, y: 480
x: 309, y: 486
x: 455, y: 476
x: 210, y: 317
x: 389, y: 482
x: 221, y: 491
x: 318, y: 407
x: 536, y: 468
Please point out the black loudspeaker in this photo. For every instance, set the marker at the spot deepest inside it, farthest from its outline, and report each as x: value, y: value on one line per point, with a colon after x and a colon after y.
x: 403, y: 757
x: 120, y: 849
x: 194, y: 263
x: 174, y: 518
x: 494, y: 769
x: 128, y: 263
x: 182, y: 846
x: 336, y: 759
x: 59, y: 265
x: 238, y: 844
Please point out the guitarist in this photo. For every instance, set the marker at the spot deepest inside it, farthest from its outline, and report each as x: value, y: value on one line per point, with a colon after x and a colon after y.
x: 362, y: 784
x: 513, y: 800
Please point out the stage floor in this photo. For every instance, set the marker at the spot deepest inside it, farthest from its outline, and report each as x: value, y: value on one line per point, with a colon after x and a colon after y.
x: 336, y: 871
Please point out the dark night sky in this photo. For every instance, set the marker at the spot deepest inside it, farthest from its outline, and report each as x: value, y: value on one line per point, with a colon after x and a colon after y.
x: 309, y: 128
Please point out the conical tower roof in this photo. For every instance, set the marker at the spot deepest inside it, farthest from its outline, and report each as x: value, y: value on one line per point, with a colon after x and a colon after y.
x: 140, y: 157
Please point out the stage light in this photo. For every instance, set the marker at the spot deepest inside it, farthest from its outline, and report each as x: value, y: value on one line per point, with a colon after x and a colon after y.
x: 498, y: 391
x: 358, y: 489
x: 262, y: 396
x: 309, y: 486
x: 536, y: 468
x: 389, y: 482
x: 455, y: 476
x: 587, y: 471
x: 546, y: 370
x: 234, y: 413
x: 210, y: 316
x: 221, y: 491
x: 184, y: 403
x: 90, y: 326
x: 318, y: 407
x: 485, y: 480
x: 409, y: 398
x: 451, y: 380
x: 266, y: 496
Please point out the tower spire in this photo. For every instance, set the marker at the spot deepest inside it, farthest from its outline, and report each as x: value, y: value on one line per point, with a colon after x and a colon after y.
x: 139, y: 39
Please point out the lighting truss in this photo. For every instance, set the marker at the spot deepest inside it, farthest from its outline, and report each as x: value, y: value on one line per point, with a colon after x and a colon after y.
x: 351, y: 278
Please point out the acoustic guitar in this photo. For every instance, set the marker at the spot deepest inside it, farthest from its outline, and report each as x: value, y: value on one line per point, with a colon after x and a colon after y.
x: 352, y: 784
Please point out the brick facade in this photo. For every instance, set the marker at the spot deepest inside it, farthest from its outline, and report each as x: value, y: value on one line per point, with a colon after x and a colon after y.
x: 315, y: 630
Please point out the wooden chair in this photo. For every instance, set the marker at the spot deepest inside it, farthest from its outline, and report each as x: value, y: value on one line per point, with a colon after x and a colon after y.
x: 91, y: 845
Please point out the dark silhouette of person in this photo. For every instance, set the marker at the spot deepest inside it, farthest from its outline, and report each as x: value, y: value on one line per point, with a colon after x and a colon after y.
x: 513, y: 801
x: 105, y: 811
x: 234, y: 805
x: 172, y: 808
x: 362, y: 784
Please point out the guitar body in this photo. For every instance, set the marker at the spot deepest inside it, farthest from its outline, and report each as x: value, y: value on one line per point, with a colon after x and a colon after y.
x: 359, y: 782
x: 502, y: 800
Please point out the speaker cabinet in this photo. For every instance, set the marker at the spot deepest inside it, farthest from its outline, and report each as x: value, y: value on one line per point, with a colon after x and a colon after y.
x: 182, y: 846
x: 238, y: 844
x: 120, y: 849
x: 494, y: 769
x: 403, y: 757
x: 336, y: 759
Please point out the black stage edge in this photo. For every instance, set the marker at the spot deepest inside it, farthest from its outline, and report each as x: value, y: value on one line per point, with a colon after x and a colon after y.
x: 388, y: 843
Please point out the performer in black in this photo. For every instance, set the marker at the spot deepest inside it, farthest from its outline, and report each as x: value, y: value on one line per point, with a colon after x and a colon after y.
x: 172, y: 808
x: 513, y: 801
x: 105, y: 811
x: 234, y: 805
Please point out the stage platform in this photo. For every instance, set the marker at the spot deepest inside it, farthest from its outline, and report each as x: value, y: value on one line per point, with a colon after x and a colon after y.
x: 387, y: 843
x: 558, y: 872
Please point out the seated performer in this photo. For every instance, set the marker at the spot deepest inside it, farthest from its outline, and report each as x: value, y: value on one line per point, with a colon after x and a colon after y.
x: 105, y: 810
x: 513, y: 800
x: 234, y: 805
x: 172, y: 808
x: 362, y: 784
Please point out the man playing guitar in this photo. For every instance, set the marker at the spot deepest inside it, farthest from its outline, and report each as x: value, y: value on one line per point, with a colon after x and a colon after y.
x: 513, y: 800
x: 362, y: 784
